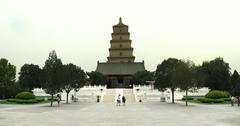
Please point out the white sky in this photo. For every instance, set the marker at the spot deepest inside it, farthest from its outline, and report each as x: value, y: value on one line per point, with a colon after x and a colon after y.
x: 80, y: 31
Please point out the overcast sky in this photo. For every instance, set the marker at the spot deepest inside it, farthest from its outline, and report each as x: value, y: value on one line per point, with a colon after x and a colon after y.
x: 80, y: 31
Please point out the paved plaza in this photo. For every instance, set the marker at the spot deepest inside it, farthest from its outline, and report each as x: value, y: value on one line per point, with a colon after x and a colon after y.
x: 107, y: 114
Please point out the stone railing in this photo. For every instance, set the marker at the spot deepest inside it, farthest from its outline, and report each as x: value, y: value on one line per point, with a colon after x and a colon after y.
x: 147, y: 93
x: 86, y: 93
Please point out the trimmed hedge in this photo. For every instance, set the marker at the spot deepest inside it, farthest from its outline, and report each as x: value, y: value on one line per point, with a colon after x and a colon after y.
x: 226, y: 99
x: 25, y: 95
x: 210, y: 100
x: 54, y: 99
x: 40, y: 99
x: 11, y: 100
x: 217, y: 94
x: 188, y: 98
x: 25, y: 101
x: 29, y: 101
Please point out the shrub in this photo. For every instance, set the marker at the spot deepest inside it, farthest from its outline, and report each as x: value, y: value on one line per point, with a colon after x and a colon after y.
x: 188, y: 98
x: 210, y: 100
x: 24, y: 101
x: 216, y: 94
x: 25, y: 95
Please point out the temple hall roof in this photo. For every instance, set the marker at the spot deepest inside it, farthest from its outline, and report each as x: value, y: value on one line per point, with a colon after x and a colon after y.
x: 121, y: 68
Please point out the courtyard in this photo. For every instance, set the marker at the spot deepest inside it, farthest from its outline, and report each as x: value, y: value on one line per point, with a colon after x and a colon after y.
x: 107, y: 114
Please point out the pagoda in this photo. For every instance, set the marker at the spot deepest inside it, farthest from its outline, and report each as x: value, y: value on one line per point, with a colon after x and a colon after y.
x: 120, y: 66
x: 120, y: 50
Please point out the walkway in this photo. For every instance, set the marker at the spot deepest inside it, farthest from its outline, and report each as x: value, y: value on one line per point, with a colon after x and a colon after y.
x: 107, y: 114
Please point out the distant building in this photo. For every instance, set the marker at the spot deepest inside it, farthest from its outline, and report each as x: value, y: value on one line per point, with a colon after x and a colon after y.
x: 120, y: 66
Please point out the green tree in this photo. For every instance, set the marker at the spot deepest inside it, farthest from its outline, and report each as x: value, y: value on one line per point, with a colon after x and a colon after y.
x: 142, y: 76
x: 200, y: 77
x: 184, y: 76
x: 52, y: 75
x: 29, y: 76
x: 7, y: 76
x: 97, y: 78
x: 235, y: 84
x: 74, y: 78
x: 164, y: 74
x: 217, y: 74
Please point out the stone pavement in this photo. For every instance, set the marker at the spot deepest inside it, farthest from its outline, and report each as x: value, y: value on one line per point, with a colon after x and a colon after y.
x: 107, y: 114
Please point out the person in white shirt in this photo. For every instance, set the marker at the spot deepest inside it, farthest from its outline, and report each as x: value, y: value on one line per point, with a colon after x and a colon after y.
x: 232, y: 100
x: 119, y: 100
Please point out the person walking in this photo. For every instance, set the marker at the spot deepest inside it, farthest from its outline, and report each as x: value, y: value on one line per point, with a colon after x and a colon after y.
x: 232, y: 101
x: 58, y: 99
x: 119, y: 100
x: 123, y: 100
x: 72, y: 97
x: 238, y: 100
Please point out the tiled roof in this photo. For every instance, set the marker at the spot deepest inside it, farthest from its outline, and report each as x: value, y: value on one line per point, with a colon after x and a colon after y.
x: 120, y: 68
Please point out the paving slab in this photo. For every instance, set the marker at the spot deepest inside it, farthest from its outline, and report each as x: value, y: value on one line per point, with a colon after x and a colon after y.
x: 108, y: 114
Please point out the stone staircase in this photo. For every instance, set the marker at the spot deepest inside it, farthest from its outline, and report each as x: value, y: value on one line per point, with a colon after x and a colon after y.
x: 109, y: 96
x: 128, y: 93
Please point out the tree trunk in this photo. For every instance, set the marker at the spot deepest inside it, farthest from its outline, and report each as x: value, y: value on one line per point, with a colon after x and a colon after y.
x: 67, y: 96
x: 186, y: 97
x: 172, y: 89
x: 51, y: 100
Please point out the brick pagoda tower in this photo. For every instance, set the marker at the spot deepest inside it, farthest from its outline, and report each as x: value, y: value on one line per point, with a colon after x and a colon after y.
x: 121, y: 50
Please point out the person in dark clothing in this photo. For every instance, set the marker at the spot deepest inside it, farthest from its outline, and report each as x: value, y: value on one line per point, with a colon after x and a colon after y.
x: 72, y: 98
x: 58, y: 99
x: 238, y: 100
x: 123, y: 100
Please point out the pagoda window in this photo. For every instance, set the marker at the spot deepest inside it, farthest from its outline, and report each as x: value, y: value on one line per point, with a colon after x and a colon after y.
x: 120, y: 53
x: 120, y: 45
x: 120, y: 37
